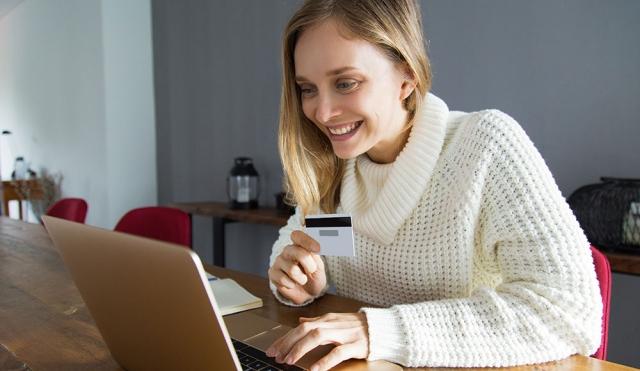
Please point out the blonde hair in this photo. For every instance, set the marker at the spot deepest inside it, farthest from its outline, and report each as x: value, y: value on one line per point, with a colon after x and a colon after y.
x: 313, y: 173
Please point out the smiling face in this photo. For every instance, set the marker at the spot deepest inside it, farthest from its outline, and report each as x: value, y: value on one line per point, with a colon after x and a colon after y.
x: 352, y: 92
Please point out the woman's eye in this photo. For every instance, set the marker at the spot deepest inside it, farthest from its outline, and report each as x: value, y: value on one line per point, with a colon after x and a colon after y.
x: 306, y: 91
x: 346, y: 85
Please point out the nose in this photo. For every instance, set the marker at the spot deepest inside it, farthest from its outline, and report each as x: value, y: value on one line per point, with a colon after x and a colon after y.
x: 326, y: 109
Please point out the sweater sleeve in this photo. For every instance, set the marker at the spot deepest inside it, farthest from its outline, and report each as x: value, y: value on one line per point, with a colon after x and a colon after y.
x: 284, y: 239
x: 547, y: 305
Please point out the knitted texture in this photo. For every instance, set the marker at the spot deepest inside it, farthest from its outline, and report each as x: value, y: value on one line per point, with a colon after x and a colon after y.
x: 468, y: 245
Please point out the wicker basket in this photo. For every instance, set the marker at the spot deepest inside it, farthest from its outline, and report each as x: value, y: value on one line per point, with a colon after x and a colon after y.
x: 609, y: 213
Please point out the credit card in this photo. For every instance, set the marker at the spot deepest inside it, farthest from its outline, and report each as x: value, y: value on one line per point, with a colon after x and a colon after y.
x: 334, y: 233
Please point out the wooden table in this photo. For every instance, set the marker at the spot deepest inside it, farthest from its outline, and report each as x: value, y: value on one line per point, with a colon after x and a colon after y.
x: 14, y: 190
x: 222, y: 215
x: 44, y: 324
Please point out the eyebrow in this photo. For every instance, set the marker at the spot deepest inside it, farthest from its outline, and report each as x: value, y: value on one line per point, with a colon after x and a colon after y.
x: 337, y: 71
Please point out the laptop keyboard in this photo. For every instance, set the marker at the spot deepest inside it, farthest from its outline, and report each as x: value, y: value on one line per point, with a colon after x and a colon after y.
x: 254, y: 359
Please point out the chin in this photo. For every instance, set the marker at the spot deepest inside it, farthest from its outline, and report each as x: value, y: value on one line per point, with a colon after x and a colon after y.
x: 346, y: 154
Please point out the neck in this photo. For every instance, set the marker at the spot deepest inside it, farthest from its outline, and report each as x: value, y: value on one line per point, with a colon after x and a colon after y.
x: 386, y: 151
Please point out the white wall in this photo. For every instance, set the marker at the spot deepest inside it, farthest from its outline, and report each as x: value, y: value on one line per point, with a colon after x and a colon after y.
x: 76, y: 90
x: 129, y: 108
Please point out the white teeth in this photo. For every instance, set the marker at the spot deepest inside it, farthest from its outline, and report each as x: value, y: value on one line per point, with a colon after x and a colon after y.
x: 344, y: 130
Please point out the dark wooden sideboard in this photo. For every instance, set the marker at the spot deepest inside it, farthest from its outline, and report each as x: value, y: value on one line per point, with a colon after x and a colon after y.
x: 221, y: 214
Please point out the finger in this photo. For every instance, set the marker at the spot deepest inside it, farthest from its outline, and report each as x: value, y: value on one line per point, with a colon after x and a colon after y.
x: 332, y: 332
x: 292, y: 337
x: 308, y: 319
x: 272, y: 350
x: 320, y: 273
x: 313, y: 339
x: 281, y: 280
x: 302, y: 239
x: 319, y: 262
x: 336, y: 324
x: 327, y: 317
x: 335, y: 356
x: 296, y: 274
x: 301, y: 256
x: 298, y: 295
x: 291, y: 269
x: 346, y: 318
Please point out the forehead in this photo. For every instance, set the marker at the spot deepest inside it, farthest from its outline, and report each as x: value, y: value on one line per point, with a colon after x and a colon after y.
x: 324, y: 47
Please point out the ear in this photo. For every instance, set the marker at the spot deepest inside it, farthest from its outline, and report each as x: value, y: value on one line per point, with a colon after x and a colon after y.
x: 408, y: 84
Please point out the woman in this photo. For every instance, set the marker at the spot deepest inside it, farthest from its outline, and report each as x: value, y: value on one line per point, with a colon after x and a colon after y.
x: 462, y: 237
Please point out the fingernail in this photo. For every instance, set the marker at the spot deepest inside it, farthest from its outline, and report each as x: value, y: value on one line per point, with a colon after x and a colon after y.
x: 313, y: 368
x: 269, y: 352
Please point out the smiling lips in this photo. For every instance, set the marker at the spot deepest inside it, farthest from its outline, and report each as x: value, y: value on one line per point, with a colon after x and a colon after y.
x: 345, y: 129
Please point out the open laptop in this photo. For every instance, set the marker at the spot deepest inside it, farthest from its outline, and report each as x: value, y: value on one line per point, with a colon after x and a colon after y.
x: 152, y: 303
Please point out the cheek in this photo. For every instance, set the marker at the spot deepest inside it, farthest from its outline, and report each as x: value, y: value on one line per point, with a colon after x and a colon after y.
x: 365, y: 106
x: 307, y: 110
x: 358, y: 104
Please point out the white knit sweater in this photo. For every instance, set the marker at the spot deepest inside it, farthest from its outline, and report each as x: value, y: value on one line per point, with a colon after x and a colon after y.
x: 469, y: 247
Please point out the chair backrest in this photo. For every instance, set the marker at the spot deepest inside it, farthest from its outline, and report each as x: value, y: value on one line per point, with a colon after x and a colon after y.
x: 603, y: 272
x: 158, y: 222
x: 73, y: 209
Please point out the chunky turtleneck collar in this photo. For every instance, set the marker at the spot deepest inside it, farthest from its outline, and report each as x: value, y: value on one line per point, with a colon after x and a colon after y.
x: 381, y: 196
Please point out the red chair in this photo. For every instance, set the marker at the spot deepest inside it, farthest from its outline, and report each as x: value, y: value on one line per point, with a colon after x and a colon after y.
x: 73, y: 209
x: 158, y: 222
x: 603, y: 272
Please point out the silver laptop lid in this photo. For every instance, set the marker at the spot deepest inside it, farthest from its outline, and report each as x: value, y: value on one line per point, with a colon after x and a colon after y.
x: 150, y: 299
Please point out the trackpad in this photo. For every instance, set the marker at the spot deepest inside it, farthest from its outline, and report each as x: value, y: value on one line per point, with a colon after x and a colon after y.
x: 263, y: 340
x: 242, y: 326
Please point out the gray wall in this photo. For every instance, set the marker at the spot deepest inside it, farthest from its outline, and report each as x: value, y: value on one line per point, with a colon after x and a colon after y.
x: 218, y: 90
x: 566, y: 70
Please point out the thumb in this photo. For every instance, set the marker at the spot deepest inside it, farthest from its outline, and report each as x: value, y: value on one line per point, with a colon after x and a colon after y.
x: 304, y: 240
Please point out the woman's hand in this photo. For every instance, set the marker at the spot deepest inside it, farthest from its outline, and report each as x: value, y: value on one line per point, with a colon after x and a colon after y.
x: 348, y: 331
x: 298, y: 272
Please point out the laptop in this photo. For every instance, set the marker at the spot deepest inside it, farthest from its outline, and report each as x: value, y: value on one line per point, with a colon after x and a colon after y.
x: 152, y: 303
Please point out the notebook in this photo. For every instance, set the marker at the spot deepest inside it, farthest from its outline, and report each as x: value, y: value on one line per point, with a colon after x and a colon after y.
x: 231, y: 297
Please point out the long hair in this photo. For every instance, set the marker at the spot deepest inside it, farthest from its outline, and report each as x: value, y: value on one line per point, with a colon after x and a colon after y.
x: 313, y: 173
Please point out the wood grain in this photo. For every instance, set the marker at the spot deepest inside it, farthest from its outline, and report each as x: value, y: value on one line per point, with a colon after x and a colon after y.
x: 266, y: 215
x: 624, y: 263
x: 12, y: 190
x: 43, y: 320
x: 44, y: 324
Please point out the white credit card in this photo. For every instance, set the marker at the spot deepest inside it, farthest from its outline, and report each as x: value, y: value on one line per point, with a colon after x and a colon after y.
x: 334, y: 233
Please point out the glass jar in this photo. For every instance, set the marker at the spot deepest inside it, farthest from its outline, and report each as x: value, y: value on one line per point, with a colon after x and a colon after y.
x: 243, y: 184
x: 20, y: 169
